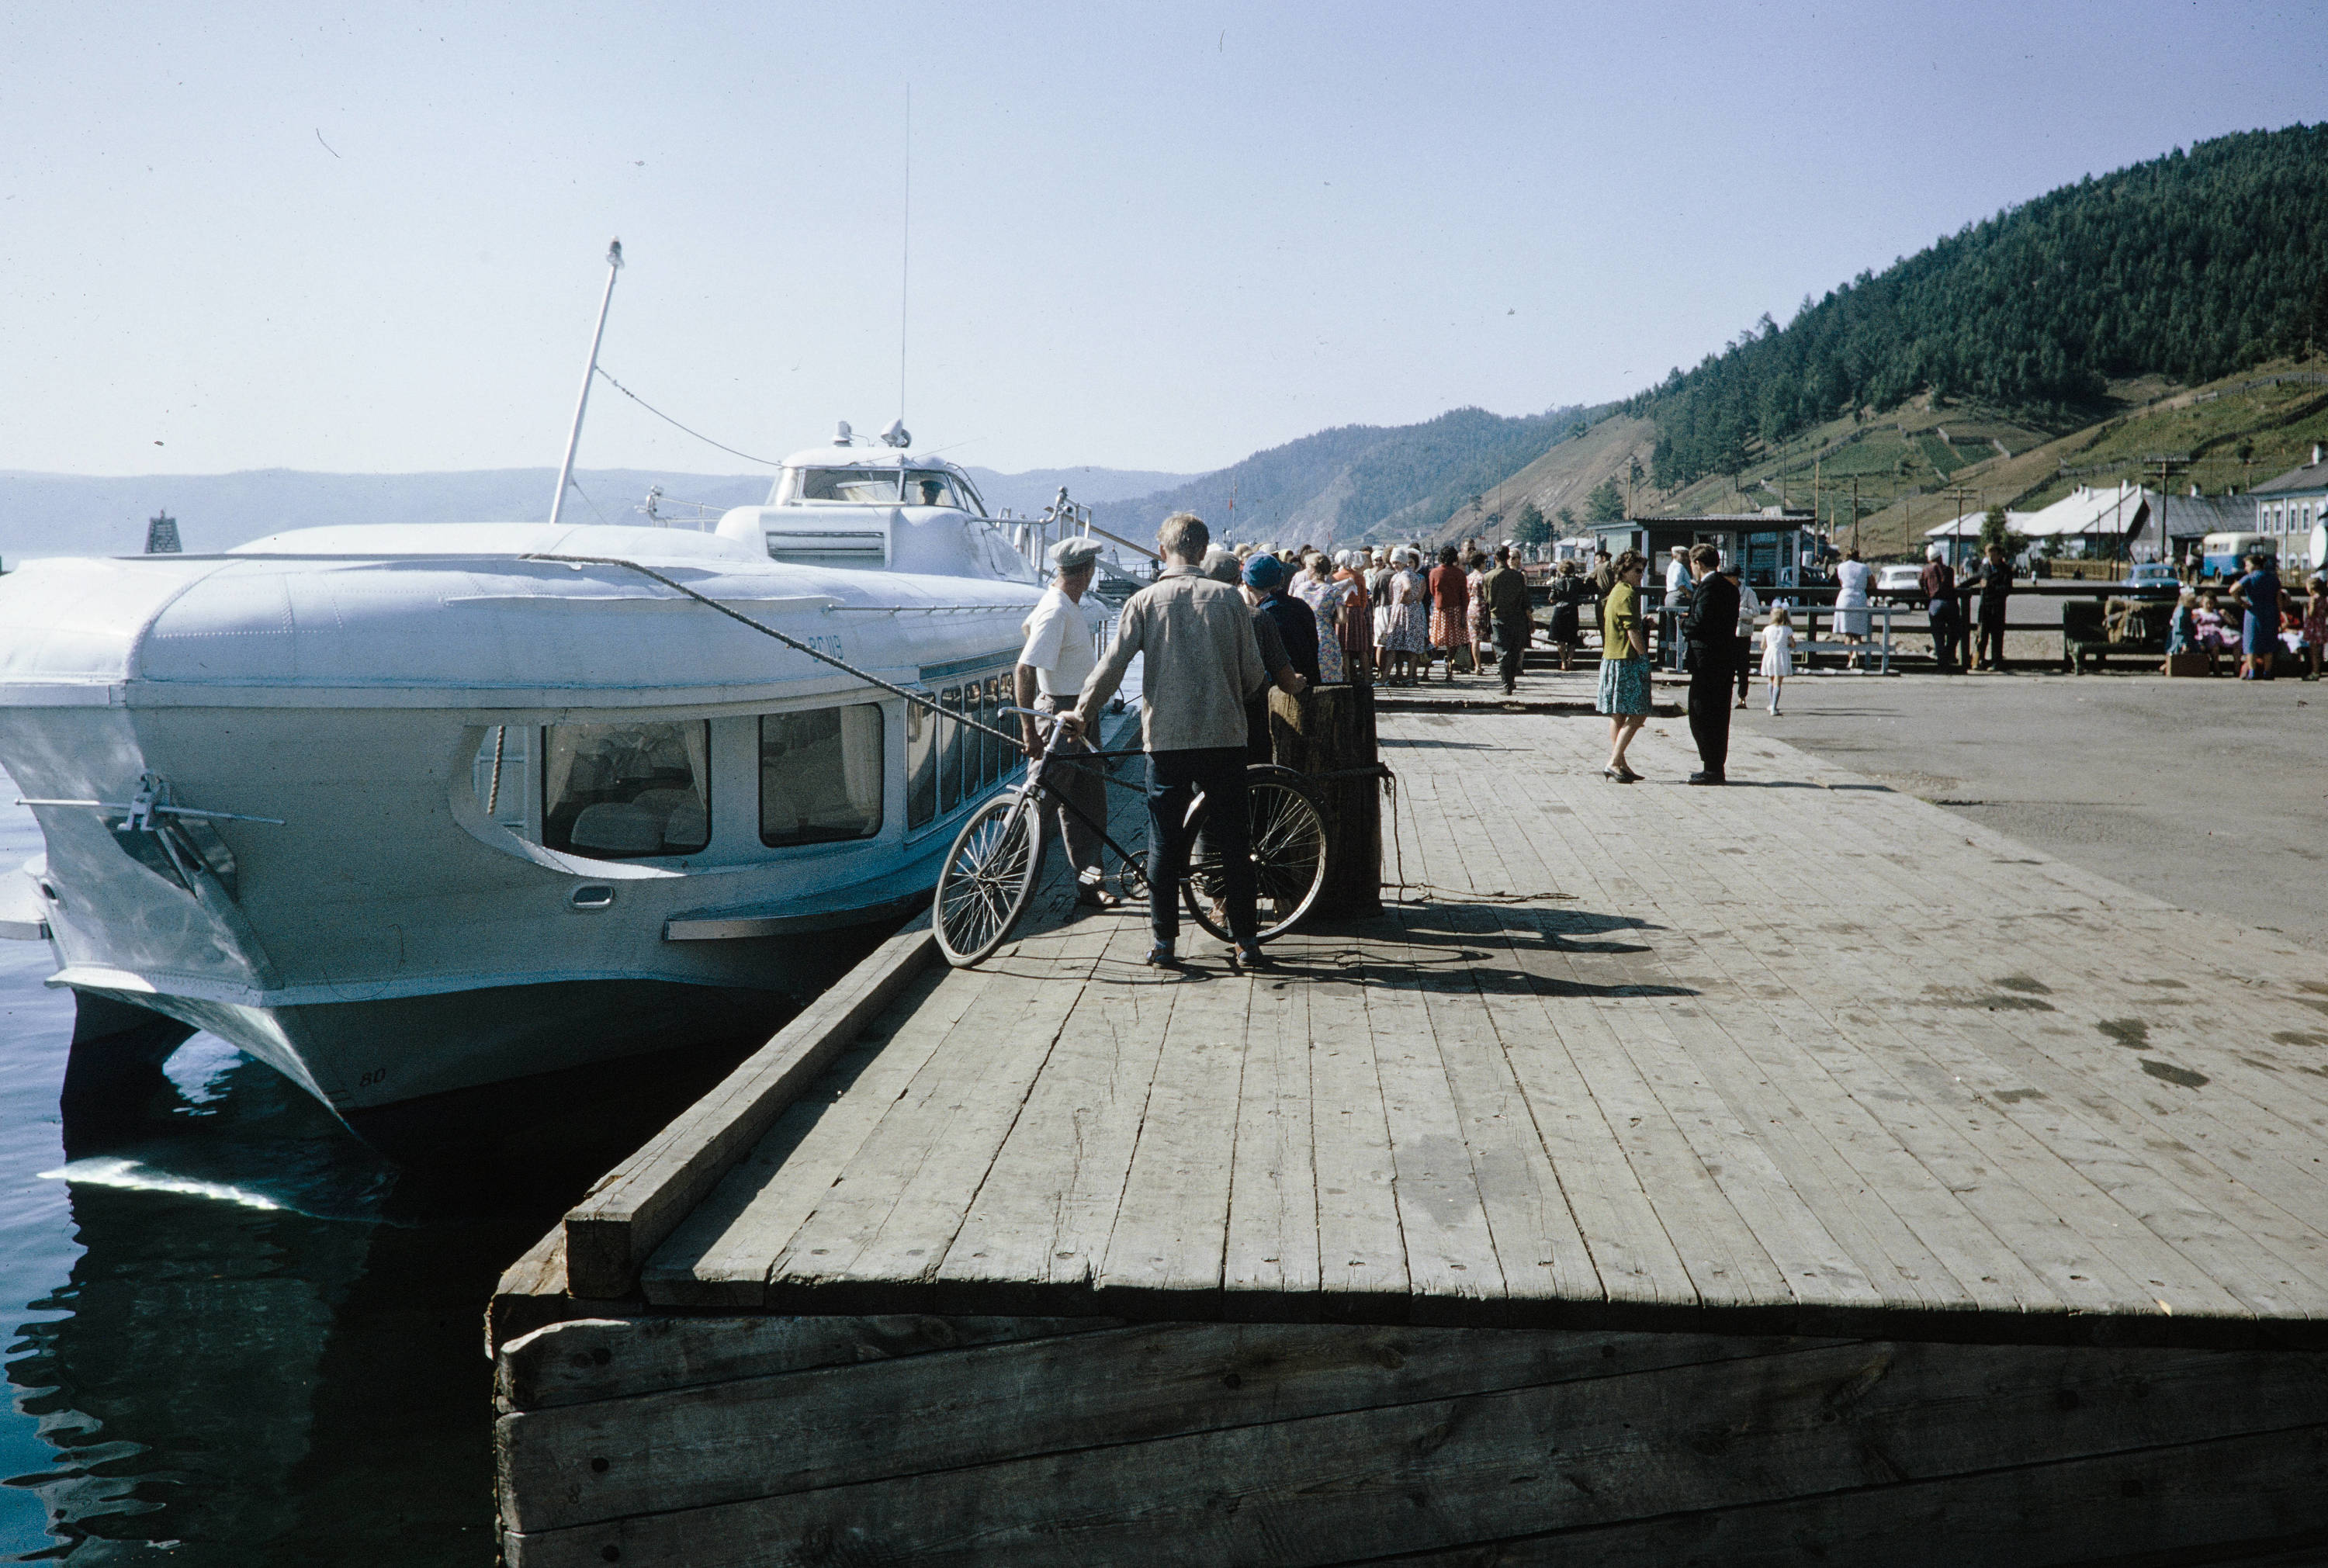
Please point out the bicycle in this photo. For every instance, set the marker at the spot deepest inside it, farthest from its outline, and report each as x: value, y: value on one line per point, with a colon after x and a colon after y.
x: 989, y: 875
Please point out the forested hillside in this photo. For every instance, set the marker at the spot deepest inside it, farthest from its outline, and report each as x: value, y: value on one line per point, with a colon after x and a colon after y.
x: 1355, y: 481
x: 2191, y: 267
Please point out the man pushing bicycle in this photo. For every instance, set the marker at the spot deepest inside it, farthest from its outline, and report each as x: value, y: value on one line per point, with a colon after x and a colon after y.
x: 1202, y: 664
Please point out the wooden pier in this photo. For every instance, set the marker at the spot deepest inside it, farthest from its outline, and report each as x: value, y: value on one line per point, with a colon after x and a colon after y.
x: 1789, y: 1172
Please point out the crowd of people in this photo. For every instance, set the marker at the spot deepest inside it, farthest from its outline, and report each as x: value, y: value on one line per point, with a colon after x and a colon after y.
x: 2262, y: 623
x: 1221, y: 627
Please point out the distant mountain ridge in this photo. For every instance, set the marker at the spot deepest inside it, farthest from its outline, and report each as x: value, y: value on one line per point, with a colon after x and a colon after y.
x: 1355, y: 481
x: 81, y: 514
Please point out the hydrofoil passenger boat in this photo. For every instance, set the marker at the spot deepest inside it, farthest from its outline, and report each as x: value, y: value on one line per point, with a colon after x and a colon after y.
x: 401, y: 810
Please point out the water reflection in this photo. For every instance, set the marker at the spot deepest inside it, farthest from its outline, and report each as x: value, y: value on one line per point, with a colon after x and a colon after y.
x: 245, y: 1335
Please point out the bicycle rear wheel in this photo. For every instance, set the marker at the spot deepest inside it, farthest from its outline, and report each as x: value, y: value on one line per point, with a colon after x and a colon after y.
x: 1287, y: 845
x: 988, y: 878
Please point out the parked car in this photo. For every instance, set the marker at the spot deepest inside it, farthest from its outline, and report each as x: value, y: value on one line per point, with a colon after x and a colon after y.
x: 2152, y: 580
x: 1901, y: 584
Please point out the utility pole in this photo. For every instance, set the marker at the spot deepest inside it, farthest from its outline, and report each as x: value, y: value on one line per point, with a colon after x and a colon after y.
x: 2167, y: 466
x: 1855, y: 511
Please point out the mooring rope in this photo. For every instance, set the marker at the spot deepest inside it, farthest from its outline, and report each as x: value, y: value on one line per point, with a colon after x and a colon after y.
x: 1014, y: 741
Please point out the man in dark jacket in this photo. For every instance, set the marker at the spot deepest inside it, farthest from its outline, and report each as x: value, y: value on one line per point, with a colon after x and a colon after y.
x: 1995, y: 583
x: 1507, y: 592
x: 1710, y: 635
x: 1940, y: 585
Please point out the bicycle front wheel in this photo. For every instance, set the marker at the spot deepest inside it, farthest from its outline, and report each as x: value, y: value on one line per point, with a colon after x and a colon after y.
x: 1286, y: 843
x: 988, y: 878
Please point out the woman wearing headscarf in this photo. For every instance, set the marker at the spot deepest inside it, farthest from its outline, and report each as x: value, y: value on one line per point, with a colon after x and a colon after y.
x: 1328, y: 599
x: 1451, y: 611
x: 1475, y: 578
x: 1379, y: 572
x: 1357, y: 618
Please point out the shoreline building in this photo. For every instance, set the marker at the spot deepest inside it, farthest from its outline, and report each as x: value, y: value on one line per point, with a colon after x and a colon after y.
x: 1780, y: 545
x: 2291, y: 512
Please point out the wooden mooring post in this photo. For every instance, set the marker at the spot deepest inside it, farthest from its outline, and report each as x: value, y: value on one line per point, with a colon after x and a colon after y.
x: 1328, y: 733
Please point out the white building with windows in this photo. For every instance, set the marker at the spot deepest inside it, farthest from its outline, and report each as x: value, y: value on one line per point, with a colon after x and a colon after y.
x: 2291, y: 512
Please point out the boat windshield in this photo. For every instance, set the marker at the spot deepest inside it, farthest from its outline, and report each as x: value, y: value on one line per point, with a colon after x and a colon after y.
x: 877, y: 487
x: 861, y: 486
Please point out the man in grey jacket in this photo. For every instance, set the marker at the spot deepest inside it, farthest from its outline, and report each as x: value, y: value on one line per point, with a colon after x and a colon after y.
x: 1202, y: 661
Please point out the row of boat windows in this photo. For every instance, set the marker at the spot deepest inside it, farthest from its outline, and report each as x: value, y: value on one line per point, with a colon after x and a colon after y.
x: 635, y: 790
x: 618, y: 792
x: 947, y: 761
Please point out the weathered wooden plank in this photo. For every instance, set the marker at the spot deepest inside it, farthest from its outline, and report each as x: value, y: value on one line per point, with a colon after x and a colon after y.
x: 1165, y: 1252
x: 1839, y: 1243
x: 1362, y: 1270
x: 631, y: 1211
x: 2064, y: 1227
x: 2191, y: 1502
x: 885, y: 1225
x: 1043, y: 1213
x: 531, y: 1291
x: 1451, y: 1252
x: 1439, y: 1473
x: 764, y: 1436
x: 1529, y: 1212
x: 602, y: 1359
x: 1270, y: 1254
x: 2070, y: 1174
x: 1790, y: 1046
x: 718, y: 1256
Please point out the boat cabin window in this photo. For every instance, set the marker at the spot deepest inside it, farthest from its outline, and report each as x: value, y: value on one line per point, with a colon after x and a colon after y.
x: 933, y: 487
x: 860, y: 486
x: 820, y: 775
x: 622, y: 792
x: 964, y: 761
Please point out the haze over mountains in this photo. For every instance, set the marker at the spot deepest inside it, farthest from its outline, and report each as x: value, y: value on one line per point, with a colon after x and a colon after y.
x: 2042, y: 322
x: 44, y: 515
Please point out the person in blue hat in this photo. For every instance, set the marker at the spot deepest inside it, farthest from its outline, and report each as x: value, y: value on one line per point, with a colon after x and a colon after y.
x: 1296, y: 625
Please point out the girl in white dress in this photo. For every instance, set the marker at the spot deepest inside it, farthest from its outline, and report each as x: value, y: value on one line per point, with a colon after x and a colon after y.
x: 1778, y: 652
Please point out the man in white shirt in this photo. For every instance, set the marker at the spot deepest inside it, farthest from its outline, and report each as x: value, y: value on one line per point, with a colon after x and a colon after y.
x: 1053, y: 666
x: 1679, y: 580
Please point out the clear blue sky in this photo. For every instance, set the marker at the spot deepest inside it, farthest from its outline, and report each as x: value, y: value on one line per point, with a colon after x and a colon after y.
x: 368, y: 238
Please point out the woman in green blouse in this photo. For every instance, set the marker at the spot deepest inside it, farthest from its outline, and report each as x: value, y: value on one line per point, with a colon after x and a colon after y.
x: 1624, y: 664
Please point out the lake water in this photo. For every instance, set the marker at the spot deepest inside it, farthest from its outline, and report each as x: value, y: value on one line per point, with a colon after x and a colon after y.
x: 239, y: 1335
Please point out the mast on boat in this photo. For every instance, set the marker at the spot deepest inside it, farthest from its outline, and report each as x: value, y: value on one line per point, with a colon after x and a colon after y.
x: 589, y: 375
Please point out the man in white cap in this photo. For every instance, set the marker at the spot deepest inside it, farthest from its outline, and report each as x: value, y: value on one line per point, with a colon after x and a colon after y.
x: 1056, y: 660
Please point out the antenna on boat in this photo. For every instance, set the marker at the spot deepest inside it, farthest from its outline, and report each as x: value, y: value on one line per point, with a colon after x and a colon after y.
x: 904, y: 258
x: 589, y: 373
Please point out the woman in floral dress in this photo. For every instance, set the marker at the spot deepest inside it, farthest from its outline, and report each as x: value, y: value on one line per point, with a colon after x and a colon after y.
x: 1327, y: 600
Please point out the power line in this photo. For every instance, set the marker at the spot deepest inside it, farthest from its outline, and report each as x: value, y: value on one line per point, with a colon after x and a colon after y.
x: 666, y: 418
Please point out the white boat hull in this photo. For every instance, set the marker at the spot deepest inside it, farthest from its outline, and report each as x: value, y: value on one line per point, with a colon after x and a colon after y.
x: 375, y: 922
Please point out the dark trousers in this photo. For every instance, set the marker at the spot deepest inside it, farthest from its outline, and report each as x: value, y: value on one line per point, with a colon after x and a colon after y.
x: 1175, y: 778
x: 1745, y: 664
x: 1943, y: 614
x: 1083, y: 787
x: 1990, y: 648
x: 1511, y: 648
x: 1709, y: 714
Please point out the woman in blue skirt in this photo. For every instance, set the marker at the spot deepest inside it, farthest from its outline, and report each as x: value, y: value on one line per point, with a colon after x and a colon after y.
x: 1624, y: 665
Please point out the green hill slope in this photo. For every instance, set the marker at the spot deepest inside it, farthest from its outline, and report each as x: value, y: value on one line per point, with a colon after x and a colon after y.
x: 2190, y: 267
